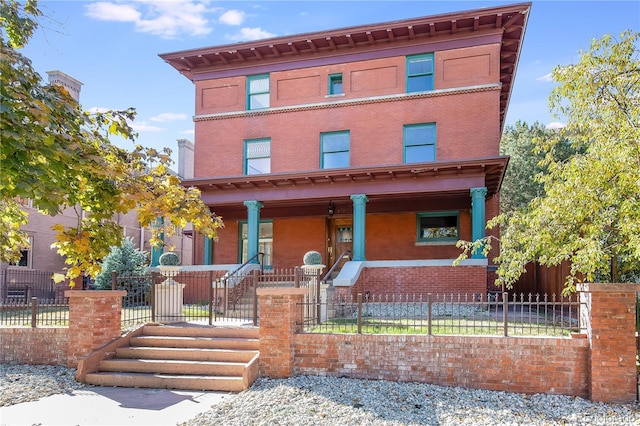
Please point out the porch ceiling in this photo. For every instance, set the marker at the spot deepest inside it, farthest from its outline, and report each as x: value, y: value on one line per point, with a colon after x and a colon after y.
x: 445, y: 178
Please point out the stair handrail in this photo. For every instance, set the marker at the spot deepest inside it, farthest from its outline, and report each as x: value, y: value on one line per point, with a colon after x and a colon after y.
x: 235, y: 271
x: 335, y: 265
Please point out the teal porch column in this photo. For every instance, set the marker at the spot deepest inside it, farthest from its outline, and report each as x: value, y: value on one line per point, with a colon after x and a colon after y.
x: 208, y: 251
x: 478, y: 222
x: 359, y: 225
x: 157, y: 252
x: 253, y: 228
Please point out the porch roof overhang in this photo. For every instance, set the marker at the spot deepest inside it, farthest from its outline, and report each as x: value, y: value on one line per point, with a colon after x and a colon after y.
x: 505, y: 25
x: 442, y: 178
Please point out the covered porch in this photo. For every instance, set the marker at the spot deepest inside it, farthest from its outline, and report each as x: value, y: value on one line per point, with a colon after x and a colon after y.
x: 402, y: 220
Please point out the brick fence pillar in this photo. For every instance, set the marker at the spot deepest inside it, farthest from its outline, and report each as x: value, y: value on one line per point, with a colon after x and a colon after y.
x: 609, y: 319
x: 94, y: 319
x: 280, y: 319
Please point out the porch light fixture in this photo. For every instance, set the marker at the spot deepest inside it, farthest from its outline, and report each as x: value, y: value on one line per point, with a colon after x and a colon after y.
x: 332, y: 208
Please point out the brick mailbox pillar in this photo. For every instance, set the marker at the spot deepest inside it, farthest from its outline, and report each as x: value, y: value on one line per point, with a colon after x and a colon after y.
x: 609, y: 320
x: 280, y: 319
x: 94, y: 320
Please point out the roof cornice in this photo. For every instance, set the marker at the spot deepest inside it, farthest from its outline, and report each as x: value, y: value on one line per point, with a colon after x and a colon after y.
x: 508, y: 21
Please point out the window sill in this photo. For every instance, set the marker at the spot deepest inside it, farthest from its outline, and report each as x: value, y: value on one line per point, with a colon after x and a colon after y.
x: 435, y: 243
x: 337, y: 95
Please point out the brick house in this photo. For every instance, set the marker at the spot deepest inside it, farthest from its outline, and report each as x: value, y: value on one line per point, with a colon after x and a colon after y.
x: 380, y: 139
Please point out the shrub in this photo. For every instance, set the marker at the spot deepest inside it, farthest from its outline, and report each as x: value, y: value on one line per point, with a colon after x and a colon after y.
x: 169, y: 259
x: 312, y: 258
x: 130, y: 264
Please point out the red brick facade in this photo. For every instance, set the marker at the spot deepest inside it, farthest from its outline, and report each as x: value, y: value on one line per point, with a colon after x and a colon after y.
x: 474, y: 57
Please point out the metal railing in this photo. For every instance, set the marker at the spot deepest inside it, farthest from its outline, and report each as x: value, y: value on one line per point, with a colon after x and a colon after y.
x: 465, y: 314
x: 335, y: 265
x: 36, y: 312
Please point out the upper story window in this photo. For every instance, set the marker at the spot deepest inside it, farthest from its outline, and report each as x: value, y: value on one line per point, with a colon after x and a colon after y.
x: 438, y: 226
x: 334, y: 147
x: 420, y: 143
x: 258, y: 91
x: 335, y: 84
x: 420, y: 73
x: 257, y: 156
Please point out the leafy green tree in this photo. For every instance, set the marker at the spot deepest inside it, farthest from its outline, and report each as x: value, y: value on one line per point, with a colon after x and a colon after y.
x: 522, y: 180
x: 60, y: 156
x: 590, y: 211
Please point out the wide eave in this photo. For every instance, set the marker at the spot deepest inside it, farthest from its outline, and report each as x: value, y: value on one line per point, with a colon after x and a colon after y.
x: 444, y: 178
x: 507, y: 22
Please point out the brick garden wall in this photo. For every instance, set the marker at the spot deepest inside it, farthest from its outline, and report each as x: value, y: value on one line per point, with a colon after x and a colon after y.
x: 599, y: 364
x: 35, y: 346
x: 421, y: 280
x: 515, y: 364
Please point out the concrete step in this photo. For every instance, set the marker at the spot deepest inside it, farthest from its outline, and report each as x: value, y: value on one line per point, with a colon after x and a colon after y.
x: 171, y: 366
x: 167, y: 381
x: 201, y: 331
x: 196, y: 342
x: 186, y: 354
x: 182, y: 356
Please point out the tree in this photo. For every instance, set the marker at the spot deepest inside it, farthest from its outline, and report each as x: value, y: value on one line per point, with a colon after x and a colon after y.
x: 589, y: 213
x: 522, y: 182
x: 123, y: 258
x: 60, y: 156
x: 130, y: 265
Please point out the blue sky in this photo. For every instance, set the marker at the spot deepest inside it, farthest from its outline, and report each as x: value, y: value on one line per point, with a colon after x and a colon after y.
x: 112, y: 46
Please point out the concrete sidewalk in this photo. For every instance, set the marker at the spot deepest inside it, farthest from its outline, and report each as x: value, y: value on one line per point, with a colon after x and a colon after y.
x: 113, y: 407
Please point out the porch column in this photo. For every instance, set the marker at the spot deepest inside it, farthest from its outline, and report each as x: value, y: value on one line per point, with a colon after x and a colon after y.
x: 478, y: 222
x: 208, y: 251
x: 253, y: 228
x: 359, y: 226
x: 157, y: 252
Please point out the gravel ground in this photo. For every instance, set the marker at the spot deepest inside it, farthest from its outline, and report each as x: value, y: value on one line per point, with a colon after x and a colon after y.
x: 24, y: 383
x: 307, y: 400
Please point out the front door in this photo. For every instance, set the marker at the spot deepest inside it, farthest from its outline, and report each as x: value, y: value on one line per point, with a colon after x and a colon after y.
x: 340, y: 238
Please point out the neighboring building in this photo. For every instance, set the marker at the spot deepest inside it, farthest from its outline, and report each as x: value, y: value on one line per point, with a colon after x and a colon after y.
x: 381, y: 139
x: 41, y: 257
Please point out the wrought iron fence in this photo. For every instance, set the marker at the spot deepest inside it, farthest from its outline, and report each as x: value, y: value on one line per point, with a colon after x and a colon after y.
x: 466, y: 314
x: 30, y: 298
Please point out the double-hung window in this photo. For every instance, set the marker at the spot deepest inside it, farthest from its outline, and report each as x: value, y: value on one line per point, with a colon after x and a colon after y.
x: 420, y: 143
x: 334, y: 147
x: 265, y: 242
x: 258, y: 91
x: 26, y: 258
x: 335, y: 84
x: 438, y: 227
x: 420, y: 73
x: 257, y: 156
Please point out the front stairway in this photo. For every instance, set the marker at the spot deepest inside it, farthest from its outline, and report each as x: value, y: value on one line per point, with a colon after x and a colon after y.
x: 182, y: 357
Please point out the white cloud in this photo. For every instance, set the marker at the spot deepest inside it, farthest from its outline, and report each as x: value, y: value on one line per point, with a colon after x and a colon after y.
x: 250, y: 34
x: 546, y: 77
x: 555, y: 125
x: 105, y: 11
x: 232, y: 17
x: 145, y: 127
x: 167, y: 19
x: 168, y: 116
x: 96, y: 110
x: 188, y: 132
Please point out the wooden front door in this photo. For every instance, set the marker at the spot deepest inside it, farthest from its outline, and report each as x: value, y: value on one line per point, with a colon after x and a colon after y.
x: 340, y: 238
